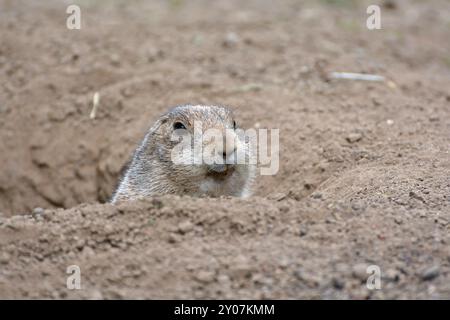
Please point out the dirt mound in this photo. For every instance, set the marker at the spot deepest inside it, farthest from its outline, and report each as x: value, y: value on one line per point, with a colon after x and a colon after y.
x: 364, y: 167
x: 172, y: 247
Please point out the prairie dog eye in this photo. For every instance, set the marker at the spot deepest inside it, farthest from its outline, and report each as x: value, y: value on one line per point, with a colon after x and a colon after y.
x: 234, y: 125
x: 178, y: 125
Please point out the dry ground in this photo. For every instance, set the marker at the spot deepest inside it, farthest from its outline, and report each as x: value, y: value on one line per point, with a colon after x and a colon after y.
x: 364, y: 167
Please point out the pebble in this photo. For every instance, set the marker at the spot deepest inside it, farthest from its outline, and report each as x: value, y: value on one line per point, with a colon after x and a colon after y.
x: 223, y: 279
x: 88, y: 252
x: 311, y: 280
x: 303, y: 230
x: 391, y: 275
x: 4, y: 258
x: 173, y: 238
x: 115, y: 59
x: 283, y: 263
x: 376, y: 102
x: 205, y: 276
x: 434, y: 118
x: 95, y: 294
x: 38, y: 212
x: 430, y: 273
x: 359, y: 271
x: 317, y: 195
x: 241, y: 266
x: 354, y: 137
x: 185, y: 227
x: 358, y: 205
x: 278, y: 196
x: 231, y: 39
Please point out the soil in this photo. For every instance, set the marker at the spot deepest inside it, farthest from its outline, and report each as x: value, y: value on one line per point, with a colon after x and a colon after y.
x: 364, y: 175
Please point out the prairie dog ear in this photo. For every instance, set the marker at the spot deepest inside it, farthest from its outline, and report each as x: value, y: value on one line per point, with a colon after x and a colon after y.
x: 157, y: 125
x: 152, y: 137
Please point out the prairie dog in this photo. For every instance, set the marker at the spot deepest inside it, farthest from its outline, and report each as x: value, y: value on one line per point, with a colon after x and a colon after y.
x: 158, y: 167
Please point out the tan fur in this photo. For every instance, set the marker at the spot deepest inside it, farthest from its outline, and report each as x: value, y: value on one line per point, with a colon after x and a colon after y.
x: 152, y: 172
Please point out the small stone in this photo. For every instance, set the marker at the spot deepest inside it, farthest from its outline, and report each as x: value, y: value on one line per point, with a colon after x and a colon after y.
x: 278, y: 196
x: 317, y: 195
x: 354, y: 137
x: 241, y: 266
x: 197, y: 39
x: 223, y: 279
x: 127, y: 92
x: 433, y: 118
x: 376, y: 102
x: 4, y: 258
x: 95, y: 294
x: 231, y: 39
x: 303, y: 230
x: 304, y: 70
x: 154, y: 54
x: 311, y: 280
x: 37, y: 212
x: 109, y: 229
x: 359, y: 271
x: 173, y: 238
x: 389, y: 122
x: 358, y: 205
x: 391, y: 84
x: 283, y: 263
x: 12, y: 225
x: 205, y: 276
x: 115, y: 59
x: 391, y: 275
x: 430, y: 273
x: 185, y: 227
x: 414, y: 195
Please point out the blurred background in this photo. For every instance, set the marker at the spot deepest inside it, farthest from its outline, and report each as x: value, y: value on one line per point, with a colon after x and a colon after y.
x: 269, y: 61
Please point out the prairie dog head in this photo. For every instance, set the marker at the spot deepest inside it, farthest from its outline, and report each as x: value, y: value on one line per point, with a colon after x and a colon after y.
x: 197, y: 150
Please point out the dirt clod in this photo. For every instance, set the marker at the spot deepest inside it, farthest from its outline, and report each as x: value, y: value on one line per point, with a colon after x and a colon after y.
x: 430, y: 273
